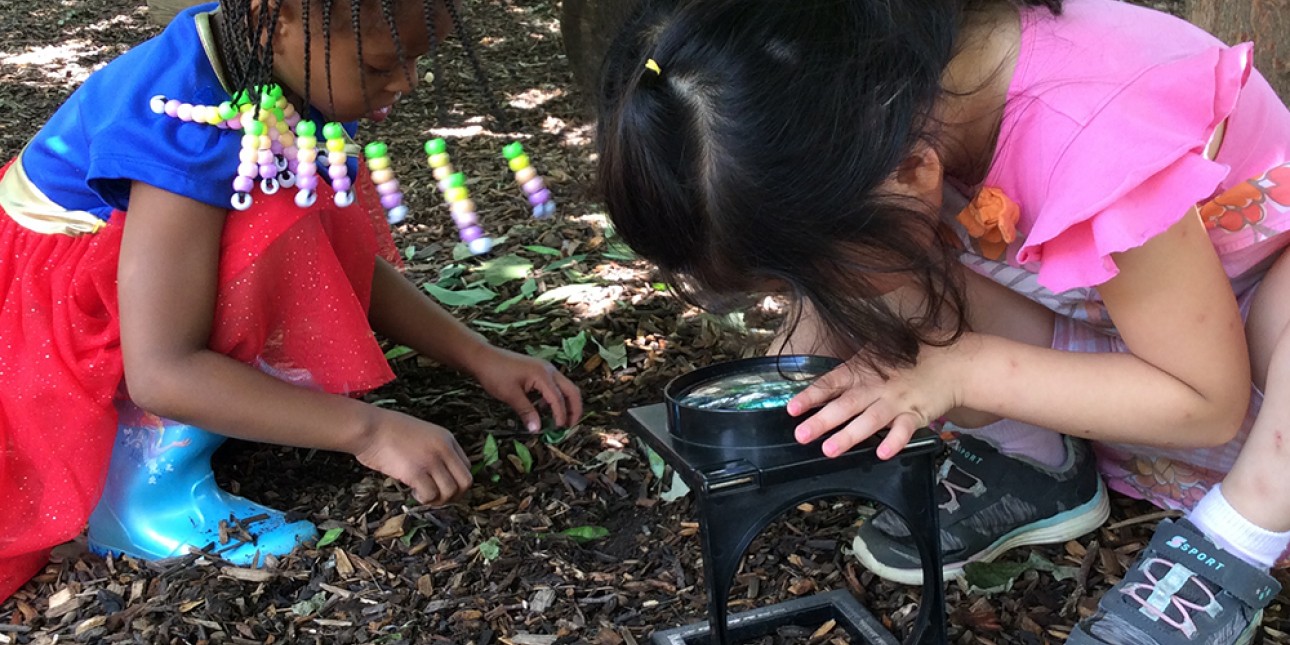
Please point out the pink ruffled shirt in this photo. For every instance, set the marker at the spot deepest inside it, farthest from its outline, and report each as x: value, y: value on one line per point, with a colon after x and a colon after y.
x: 1102, y: 146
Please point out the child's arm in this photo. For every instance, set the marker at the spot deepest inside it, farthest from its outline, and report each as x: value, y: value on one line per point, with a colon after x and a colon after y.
x: 168, y: 285
x: 1186, y: 383
x: 403, y: 313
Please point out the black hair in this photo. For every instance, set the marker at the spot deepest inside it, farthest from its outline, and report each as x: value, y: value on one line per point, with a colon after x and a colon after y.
x: 751, y: 157
x: 246, y: 42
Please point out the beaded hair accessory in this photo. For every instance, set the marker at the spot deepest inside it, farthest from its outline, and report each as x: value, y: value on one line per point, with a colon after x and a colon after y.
x: 269, y: 150
x: 452, y: 185
x: 530, y: 182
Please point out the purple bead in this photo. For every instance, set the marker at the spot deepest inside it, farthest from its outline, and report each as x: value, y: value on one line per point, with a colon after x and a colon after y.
x: 268, y: 170
x: 307, y: 182
x: 388, y: 188
x: 540, y: 197
x: 243, y: 184
x: 534, y: 186
x: 172, y: 108
x: 340, y: 184
x: 265, y: 157
x: 247, y: 169
x: 471, y: 233
x: 338, y: 171
x: 465, y: 220
x: 392, y: 200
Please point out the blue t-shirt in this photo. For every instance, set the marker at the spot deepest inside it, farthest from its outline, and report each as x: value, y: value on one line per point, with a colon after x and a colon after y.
x: 106, y: 135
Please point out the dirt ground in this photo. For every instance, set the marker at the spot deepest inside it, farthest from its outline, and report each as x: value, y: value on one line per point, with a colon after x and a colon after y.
x: 566, y: 537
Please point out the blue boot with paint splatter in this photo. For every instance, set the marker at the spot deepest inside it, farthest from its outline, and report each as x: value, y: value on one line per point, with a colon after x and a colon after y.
x: 161, y: 500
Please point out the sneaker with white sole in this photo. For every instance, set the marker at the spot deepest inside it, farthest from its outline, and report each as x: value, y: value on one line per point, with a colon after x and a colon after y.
x: 990, y: 503
x: 1183, y: 590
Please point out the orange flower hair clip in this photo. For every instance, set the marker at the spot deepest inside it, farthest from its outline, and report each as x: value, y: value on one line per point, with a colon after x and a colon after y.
x: 991, y: 218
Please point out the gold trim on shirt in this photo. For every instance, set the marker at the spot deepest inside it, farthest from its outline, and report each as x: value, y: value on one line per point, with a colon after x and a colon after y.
x: 207, y: 37
x: 32, y: 210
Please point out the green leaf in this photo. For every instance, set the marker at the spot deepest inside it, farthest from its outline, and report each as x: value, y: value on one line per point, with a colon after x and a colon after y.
x: 408, y: 537
x: 526, y: 457
x: 330, y: 536
x: 451, y: 276
x: 656, y: 463
x: 560, y: 294
x: 527, y: 289
x: 994, y: 577
x: 586, y: 533
x: 571, y: 349
x: 490, y: 549
x: 409, y: 252
x: 311, y: 606
x: 659, y: 286
x: 398, y: 351
x: 463, y: 298
x: 998, y: 577
x: 676, y: 491
x: 553, y: 435
x: 489, y: 456
x: 503, y: 327
x: 564, y: 262
x: 505, y: 269
x: 615, y: 354
x: 542, y: 250
x: 544, y: 352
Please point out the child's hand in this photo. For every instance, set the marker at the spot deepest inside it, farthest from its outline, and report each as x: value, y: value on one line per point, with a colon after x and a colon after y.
x: 422, y: 455
x: 858, y: 403
x: 509, y: 377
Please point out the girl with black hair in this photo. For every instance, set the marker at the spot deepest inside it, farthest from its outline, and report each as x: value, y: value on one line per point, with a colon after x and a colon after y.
x: 162, y: 283
x: 1019, y: 218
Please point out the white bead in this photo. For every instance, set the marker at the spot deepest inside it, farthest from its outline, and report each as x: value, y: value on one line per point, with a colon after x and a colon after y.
x: 480, y: 246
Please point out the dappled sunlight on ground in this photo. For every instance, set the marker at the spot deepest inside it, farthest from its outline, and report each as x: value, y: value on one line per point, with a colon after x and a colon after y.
x: 59, y: 64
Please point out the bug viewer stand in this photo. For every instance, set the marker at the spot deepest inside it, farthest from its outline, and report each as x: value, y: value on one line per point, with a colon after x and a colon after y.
x: 724, y: 429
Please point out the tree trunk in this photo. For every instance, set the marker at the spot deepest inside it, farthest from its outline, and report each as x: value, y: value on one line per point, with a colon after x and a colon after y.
x: 588, y: 27
x: 1266, y: 22
x: 161, y: 12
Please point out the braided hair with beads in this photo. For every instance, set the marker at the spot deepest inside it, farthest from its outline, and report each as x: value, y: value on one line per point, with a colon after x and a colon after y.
x: 273, y: 136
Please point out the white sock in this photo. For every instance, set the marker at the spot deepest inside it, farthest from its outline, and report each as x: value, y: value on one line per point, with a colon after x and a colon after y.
x: 1216, y: 518
x: 1017, y: 439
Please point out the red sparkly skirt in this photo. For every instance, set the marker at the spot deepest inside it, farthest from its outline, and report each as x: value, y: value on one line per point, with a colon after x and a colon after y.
x: 294, y: 288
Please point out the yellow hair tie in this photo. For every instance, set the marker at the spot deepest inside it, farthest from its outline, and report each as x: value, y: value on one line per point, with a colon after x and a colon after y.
x: 652, y: 66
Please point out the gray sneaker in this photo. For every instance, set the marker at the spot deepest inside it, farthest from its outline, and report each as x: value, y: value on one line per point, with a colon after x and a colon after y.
x: 990, y: 503
x: 1183, y: 589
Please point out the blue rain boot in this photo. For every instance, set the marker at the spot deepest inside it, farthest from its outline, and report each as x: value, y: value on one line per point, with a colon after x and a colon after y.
x: 161, y: 498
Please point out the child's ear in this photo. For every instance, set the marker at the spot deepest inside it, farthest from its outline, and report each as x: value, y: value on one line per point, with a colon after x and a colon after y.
x: 921, y: 173
x: 288, y: 19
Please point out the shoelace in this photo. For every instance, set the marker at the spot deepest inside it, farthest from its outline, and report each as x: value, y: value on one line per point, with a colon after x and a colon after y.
x: 1162, y: 593
x: 949, y: 500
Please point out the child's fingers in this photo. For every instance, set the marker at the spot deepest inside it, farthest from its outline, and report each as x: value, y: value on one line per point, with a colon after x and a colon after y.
x: 446, y: 482
x: 424, y: 488
x: 518, y: 399
x: 902, y: 428
x: 549, y: 388
x: 824, y: 389
x: 858, y: 429
x: 459, y: 470
x: 832, y: 415
x: 571, y: 394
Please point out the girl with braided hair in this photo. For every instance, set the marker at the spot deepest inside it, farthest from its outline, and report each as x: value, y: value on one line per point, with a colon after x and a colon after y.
x: 177, y: 265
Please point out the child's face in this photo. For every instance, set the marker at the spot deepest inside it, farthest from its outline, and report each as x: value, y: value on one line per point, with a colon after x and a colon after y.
x: 366, y: 89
